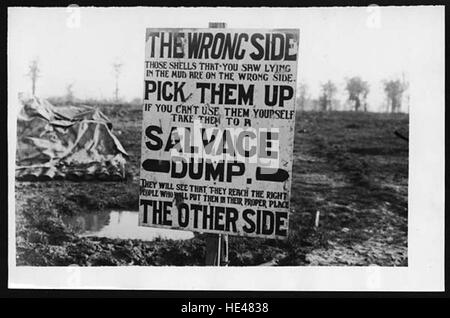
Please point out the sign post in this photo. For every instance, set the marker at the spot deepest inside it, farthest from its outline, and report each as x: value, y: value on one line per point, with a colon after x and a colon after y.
x: 218, y: 132
x: 215, y: 255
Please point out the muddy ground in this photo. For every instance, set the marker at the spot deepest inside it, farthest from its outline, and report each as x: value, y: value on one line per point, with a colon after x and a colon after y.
x: 349, y: 166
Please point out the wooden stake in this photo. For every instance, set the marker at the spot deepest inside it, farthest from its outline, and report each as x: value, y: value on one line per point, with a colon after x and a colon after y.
x: 212, y: 241
x: 316, y: 222
x: 219, y: 255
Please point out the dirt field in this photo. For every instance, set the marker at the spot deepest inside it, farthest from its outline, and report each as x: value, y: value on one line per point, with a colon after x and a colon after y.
x: 348, y: 166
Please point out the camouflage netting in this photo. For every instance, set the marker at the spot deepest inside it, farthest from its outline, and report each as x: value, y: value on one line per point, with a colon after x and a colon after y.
x: 66, y: 142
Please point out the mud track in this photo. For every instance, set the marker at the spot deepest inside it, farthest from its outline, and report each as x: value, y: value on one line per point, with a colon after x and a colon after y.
x: 349, y: 166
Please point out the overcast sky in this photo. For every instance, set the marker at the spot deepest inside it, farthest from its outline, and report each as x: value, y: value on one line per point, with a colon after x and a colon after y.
x: 373, y: 42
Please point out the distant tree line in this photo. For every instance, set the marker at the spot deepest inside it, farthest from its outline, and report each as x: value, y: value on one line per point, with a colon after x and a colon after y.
x: 357, y: 91
x: 34, y: 72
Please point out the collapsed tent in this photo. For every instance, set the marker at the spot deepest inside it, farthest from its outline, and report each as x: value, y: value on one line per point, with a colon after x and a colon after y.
x: 66, y: 142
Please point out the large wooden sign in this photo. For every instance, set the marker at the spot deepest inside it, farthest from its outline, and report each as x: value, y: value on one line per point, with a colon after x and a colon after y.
x: 218, y: 130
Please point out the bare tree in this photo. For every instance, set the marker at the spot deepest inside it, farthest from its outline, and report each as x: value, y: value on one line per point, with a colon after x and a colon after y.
x: 394, y: 90
x: 69, y: 93
x: 34, y: 72
x: 357, y: 92
x: 117, y: 67
x: 326, y: 98
x: 303, y: 96
x: 405, y: 83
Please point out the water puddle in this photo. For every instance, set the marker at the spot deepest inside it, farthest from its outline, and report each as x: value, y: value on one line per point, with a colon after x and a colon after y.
x: 120, y: 225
